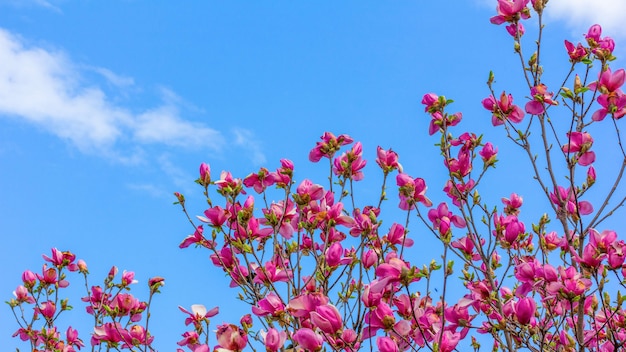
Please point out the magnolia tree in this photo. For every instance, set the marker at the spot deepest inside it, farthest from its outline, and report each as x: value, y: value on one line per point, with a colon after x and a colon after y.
x: 321, y: 272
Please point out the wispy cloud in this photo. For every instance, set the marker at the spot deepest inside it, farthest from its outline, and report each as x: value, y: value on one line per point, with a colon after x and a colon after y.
x: 579, y: 15
x: 47, y: 89
x: 245, y: 139
x: 30, y: 3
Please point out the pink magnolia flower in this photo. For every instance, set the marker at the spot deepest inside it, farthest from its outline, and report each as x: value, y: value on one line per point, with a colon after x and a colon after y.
x: 512, y: 204
x: 510, y: 11
x: 459, y: 191
x: 259, y: 181
x: 62, y: 259
x: 198, y: 314
x: 197, y: 238
x: 412, y: 191
x: 231, y: 337
x: 72, y: 338
x: 431, y: 101
x: 449, y: 341
x: 461, y: 166
x: 541, y: 97
x: 488, y: 153
x: 274, y: 339
x: 282, y: 176
x: 565, y: 200
x: 227, y: 185
x: 393, y: 268
x: 328, y: 146
x: 108, y: 332
x: 386, y: 344
x: 307, y: 191
x: 439, y: 120
x: 136, y: 335
x: 387, y: 160
x: 503, y: 109
x: 516, y: 30
x: 612, y: 99
x: 509, y: 228
x: 205, y: 175
x: 272, y: 271
x: 302, y: 305
x: 525, y: 310
x: 369, y: 258
x: 351, y: 163
x: 381, y: 317
x: 128, y: 278
x: 466, y: 245
x: 335, y: 255
x: 397, y: 236
x: 190, y: 340
x: 442, y: 218
x: 29, y: 278
x: 580, y: 143
x: 327, y: 319
x: 601, y: 47
x: 21, y: 295
x: 609, y: 82
x: 576, y: 53
x: 308, y: 340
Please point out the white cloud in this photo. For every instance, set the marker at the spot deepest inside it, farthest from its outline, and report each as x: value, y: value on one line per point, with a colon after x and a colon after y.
x: 113, y: 78
x: 579, y: 15
x: 28, y: 3
x: 245, y: 139
x: 45, y: 88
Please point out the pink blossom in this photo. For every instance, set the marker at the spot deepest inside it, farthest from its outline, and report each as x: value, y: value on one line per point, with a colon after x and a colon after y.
x: 387, y: 160
x: 335, y: 255
x: 302, y: 305
x: 397, y: 236
x: 512, y: 204
x: 573, y: 207
x: 272, y: 271
x: 21, y: 295
x: 442, y: 218
x: 381, y: 317
x: 29, y: 278
x: 274, y: 340
x: 525, y: 310
x: 351, y: 163
x: 431, y: 100
x: 541, y: 97
x: 576, y: 53
x: 205, y: 175
x: 386, y: 344
x: 198, y: 314
x: 308, y: 340
x: 488, y: 153
x: 227, y: 185
x: 412, y: 191
x: 510, y: 11
x: 327, y: 319
x: 580, y: 143
x: 516, y: 30
x: 197, y: 238
x: 190, y: 339
x: 328, y: 146
x: 612, y: 99
x: 369, y: 258
x: 259, y: 181
x: 231, y: 337
x: 503, y: 109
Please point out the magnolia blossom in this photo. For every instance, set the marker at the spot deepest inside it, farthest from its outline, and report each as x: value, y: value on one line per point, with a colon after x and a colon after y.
x: 503, y: 109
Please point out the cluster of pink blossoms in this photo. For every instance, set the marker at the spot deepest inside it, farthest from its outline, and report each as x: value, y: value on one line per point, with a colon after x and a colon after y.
x: 319, y: 275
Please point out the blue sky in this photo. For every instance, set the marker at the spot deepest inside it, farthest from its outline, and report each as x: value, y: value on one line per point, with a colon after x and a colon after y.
x: 107, y: 108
